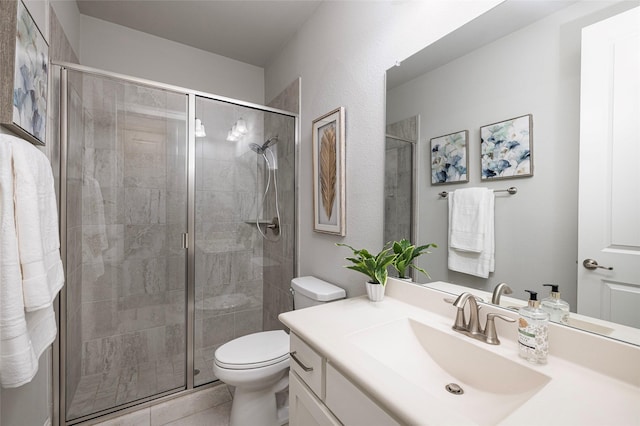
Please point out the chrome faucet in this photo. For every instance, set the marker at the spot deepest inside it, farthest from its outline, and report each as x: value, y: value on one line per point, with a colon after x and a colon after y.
x: 500, y: 289
x: 472, y: 327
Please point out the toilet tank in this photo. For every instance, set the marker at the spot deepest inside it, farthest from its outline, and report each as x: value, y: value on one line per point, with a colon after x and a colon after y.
x: 312, y: 291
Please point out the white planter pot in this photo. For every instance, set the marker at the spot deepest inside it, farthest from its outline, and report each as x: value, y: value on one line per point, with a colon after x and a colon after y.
x: 375, y: 292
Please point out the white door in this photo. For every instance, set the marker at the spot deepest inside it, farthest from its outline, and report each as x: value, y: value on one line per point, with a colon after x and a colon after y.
x: 609, y: 206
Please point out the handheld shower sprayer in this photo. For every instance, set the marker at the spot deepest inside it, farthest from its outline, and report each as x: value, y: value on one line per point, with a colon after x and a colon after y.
x: 271, y: 167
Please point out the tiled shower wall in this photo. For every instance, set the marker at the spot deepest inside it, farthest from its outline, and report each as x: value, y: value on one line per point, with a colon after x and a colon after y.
x: 279, y: 268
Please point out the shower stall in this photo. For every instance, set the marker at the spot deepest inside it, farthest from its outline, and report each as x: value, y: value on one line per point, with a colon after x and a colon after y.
x: 400, y: 180
x: 173, y: 233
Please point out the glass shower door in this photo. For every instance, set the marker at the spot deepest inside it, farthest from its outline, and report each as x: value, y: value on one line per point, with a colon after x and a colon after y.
x: 126, y: 213
x: 244, y: 238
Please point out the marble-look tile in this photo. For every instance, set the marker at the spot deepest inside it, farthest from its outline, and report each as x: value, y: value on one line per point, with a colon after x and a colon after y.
x: 216, y: 175
x: 216, y: 206
x: 176, y: 272
x: 104, y: 129
x: 144, y: 206
x: 142, y: 318
x: 102, y: 287
x: 176, y: 206
x: 99, y: 319
x: 178, y: 408
x: 175, y: 338
x: 137, y: 418
x: 144, y: 241
x: 147, y: 379
x: 217, y: 330
x: 213, y: 269
x: 104, y: 402
x: 289, y: 98
x: 217, y: 416
x: 143, y: 276
x: 247, y: 322
x: 134, y: 350
x: 174, y: 233
x: 108, y: 168
x: 145, y: 96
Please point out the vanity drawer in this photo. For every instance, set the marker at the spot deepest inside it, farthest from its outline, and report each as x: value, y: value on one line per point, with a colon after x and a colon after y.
x: 351, y: 405
x: 308, y: 364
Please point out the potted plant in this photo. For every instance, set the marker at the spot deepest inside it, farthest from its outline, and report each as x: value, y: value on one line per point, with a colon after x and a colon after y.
x: 405, y: 253
x: 374, y: 267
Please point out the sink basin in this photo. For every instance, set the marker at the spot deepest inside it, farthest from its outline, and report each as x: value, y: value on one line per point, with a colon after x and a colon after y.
x: 432, y: 358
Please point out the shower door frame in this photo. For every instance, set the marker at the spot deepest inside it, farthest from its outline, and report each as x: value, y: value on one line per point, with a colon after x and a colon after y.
x: 59, y: 346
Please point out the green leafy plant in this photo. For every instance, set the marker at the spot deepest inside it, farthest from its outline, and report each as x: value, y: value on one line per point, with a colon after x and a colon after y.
x: 405, y: 253
x: 374, y: 267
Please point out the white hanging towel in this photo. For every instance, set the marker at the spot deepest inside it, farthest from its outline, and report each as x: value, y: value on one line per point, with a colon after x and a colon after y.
x: 31, y: 271
x: 471, y: 231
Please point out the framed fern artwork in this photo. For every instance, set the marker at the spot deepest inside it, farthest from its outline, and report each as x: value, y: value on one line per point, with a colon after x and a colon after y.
x: 329, y: 173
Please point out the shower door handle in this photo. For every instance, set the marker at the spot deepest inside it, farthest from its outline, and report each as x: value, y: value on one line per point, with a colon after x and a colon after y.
x: 185, y: 240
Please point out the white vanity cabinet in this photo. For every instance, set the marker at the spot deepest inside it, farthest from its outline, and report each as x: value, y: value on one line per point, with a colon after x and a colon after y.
x: 320, y: 395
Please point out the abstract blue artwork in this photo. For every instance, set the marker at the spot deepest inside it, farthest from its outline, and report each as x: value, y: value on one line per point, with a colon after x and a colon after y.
x: 506, y: 149
x: 30, y: 77
x: 449, y: 158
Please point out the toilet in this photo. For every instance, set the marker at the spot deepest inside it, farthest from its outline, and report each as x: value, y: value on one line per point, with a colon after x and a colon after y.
x: 258, y: 364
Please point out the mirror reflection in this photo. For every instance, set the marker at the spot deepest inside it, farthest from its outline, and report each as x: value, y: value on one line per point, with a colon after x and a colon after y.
x: 521, y: 58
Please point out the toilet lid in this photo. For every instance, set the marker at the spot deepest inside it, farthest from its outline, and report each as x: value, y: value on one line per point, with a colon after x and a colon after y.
x: 254, y: 350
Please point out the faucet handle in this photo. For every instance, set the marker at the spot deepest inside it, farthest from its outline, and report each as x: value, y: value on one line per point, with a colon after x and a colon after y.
x: 490, y: 334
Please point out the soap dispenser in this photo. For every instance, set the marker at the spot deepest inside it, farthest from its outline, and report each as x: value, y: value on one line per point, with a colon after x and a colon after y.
x: 557, y: 308
x: 533, y: 326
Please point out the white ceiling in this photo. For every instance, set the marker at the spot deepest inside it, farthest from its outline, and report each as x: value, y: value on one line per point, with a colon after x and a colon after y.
x: 250, y: 31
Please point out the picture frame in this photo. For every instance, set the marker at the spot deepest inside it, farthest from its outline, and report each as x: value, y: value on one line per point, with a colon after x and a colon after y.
x: 328, y: 139
x: 24, y: 73
x: 507, y: 149
x: 450, y: 158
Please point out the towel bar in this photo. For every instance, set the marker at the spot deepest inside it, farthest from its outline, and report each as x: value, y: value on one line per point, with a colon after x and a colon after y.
x: 511, y: 190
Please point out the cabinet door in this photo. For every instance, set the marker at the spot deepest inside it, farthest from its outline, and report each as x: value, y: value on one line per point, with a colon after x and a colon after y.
x: 351, y: 405
x: 304, y: 408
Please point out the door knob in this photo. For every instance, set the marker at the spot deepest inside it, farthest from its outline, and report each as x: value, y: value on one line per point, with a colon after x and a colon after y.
x: 591, y: 264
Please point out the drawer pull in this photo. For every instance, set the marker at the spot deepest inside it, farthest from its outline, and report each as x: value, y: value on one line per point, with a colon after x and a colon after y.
x: 295, y: 358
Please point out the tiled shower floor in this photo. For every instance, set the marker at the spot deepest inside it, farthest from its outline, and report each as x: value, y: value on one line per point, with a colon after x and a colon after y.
x: 102, y: 391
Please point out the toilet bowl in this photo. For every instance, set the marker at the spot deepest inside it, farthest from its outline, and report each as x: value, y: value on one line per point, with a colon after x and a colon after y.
x: 258, y: 364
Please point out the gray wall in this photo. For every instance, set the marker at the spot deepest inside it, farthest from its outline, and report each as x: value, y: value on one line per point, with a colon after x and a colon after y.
x: 120, y: 49
x: 345, y: 67
x: 32, y: 403
x: 533, y: 71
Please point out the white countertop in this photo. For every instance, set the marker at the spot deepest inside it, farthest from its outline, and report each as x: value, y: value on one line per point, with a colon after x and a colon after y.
x: 575, y: 395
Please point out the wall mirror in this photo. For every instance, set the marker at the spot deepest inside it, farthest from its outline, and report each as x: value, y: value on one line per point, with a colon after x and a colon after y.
x: 519, y: 58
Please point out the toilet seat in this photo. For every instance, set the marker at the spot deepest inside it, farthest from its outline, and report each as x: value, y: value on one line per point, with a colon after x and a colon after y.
x: 254, y: 351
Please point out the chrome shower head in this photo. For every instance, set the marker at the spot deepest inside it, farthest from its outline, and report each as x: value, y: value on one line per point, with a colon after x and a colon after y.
x: 256, y: 148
